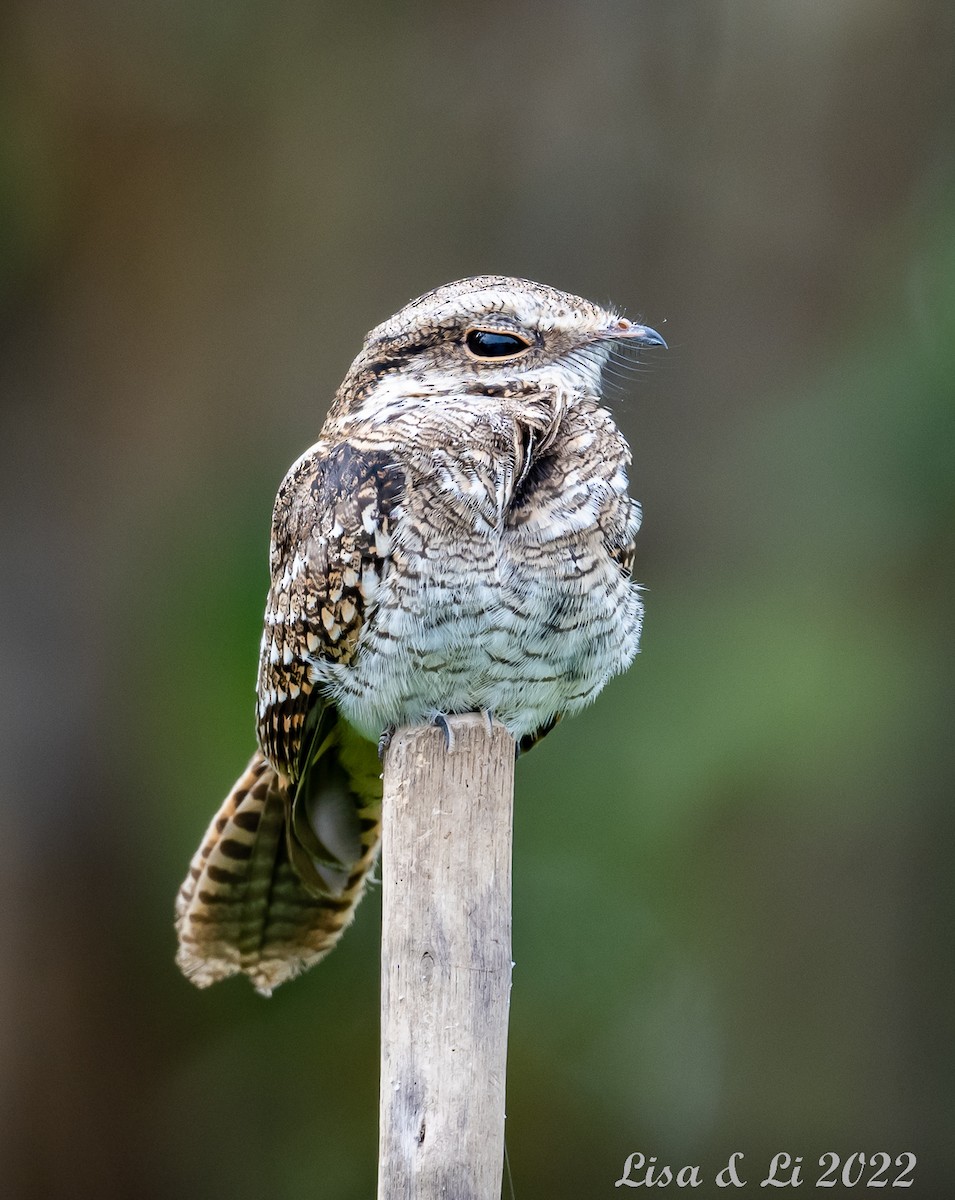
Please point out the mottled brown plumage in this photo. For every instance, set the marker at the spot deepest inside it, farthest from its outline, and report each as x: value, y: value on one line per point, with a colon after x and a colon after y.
x: 459, y: 539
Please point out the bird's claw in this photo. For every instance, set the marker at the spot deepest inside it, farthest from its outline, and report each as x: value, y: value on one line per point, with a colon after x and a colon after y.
x: 385, y: 741
x: 445, y: 726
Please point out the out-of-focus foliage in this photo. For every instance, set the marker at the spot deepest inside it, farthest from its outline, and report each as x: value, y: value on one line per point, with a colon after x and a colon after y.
x: 733, y: 898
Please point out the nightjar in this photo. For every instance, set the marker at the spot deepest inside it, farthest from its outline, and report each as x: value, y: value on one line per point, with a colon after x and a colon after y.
x: 458, y: 539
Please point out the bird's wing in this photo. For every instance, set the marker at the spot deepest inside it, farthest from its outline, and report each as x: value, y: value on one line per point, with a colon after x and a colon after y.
x: 331, y: 548
x: 285, y: 860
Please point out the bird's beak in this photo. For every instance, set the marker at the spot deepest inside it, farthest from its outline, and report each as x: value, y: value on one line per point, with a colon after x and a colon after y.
x: 623, y: 330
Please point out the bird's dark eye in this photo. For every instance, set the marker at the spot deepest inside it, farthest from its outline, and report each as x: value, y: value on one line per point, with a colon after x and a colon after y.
x: 488, y: 343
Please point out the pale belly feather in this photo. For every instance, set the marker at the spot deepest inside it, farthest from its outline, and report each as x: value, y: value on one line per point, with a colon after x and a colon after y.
x: 523, y: 632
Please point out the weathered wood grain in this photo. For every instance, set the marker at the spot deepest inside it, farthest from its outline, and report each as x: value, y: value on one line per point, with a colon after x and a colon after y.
x: 446, y: 961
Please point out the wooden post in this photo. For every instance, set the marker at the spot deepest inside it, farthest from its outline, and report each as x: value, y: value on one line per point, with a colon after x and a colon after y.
x: 445, y: 961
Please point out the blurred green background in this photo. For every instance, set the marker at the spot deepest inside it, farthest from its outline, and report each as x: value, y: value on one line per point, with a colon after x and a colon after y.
x: 733, y: 911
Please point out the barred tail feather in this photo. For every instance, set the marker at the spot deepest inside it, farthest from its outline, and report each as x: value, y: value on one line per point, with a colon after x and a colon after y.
x: 243, y: 908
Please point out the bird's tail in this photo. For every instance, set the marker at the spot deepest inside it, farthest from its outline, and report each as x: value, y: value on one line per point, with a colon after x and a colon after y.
x: 282, y: 867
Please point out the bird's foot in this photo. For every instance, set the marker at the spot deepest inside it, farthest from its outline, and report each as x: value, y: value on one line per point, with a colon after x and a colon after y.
x: 444, y: 725
x: 385, y: 741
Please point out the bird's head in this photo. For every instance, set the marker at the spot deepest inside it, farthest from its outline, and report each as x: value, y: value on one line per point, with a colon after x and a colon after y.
x: 490, y: 335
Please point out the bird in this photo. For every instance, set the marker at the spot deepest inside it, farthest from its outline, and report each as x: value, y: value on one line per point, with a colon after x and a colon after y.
x: 459, y: 539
